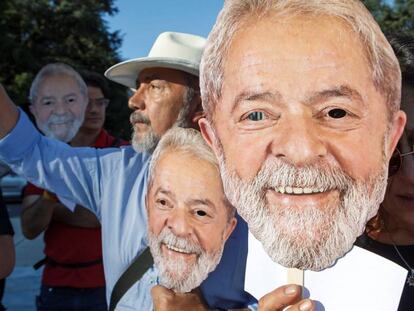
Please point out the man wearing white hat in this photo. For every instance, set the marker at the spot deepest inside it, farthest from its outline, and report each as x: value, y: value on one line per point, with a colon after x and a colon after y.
x: 112, y: 182
x: 165, y: 84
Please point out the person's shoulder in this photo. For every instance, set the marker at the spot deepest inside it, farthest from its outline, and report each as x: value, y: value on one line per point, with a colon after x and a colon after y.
x: 106, y: 140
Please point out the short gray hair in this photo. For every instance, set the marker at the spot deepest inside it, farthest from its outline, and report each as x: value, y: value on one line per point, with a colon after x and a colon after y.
x: 235, y: 15
x: 56, y: 69
x: 186, y: 141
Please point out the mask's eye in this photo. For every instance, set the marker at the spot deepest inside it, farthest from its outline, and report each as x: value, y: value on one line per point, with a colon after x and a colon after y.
x: 162, y: 202
x: 201, y: 213
x: 337, y: 113
x: 256, y: 116
x: 48, y: 102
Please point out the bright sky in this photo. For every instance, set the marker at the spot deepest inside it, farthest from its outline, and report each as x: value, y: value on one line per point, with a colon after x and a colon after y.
x: 140, y: 21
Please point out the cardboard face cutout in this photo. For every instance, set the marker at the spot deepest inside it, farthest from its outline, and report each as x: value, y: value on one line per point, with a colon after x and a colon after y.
x: 60, y: 107
x: 303, y: 137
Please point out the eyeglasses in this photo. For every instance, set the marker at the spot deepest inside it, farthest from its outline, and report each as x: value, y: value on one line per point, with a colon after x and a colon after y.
x: 99, y: 102
x: 396, y: 161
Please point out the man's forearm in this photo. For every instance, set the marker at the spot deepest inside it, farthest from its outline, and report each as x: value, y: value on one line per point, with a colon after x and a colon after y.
x: 81, y: 217
x: 9, y: 113
x: 7, y: 255
x: 36, y: 216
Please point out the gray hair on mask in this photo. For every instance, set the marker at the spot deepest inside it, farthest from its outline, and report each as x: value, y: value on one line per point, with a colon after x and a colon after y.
x: 186, y: 141
x: 56, y: 69
x: 237, y: 15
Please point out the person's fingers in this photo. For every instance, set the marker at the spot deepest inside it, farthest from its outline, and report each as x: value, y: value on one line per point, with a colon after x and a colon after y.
x: 303, y: 305
x: 279, y: 298
x: 161, y: 297
x: 159, y: 291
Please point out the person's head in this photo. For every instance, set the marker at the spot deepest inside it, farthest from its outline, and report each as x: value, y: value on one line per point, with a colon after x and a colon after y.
x: 165, y: 85
x: 396, y: 210
x: 189, y: 218
x: 98, y: 100
x: 302, y: 104
x: 58, y: 98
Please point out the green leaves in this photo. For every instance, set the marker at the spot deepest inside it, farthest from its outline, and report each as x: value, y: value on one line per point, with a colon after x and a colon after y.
x: 34, y: 33
x: 393, y: 16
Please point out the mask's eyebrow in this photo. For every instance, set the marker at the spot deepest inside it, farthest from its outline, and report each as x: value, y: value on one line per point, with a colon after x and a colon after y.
x: 254, y: 96
x: 341, y: 91
x: 166, y: 192
x: 71, y: 94
x: 205, y: 202
x: 46, y: 98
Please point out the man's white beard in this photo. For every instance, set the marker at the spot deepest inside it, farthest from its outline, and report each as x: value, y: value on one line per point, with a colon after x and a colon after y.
x: 305, y: 238
x: 65, y: 133
x: 150, y: 139
x: 177, y: 275
x: 147, y: 143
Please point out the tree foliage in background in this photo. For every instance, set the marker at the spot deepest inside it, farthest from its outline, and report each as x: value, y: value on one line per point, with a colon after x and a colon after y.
x: 34, y: 33
x: 393, y: 16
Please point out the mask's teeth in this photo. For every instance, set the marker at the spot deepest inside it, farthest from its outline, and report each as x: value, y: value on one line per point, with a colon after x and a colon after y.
x: 307, y: 190
x: 180, y: 250
x: 298, y: 190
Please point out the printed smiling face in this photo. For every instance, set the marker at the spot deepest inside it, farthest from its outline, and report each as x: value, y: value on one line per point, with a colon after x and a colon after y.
x: 303, y: 137
x: 188, y: 220
x: 59, y: 107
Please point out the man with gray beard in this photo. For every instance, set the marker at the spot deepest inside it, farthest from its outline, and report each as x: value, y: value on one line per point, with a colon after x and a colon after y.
x: 148, y: 140
x: 165, y: 85
x: 303, y: 112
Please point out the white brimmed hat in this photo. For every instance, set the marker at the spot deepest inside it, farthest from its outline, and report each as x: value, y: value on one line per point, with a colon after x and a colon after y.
x: 174, y: 50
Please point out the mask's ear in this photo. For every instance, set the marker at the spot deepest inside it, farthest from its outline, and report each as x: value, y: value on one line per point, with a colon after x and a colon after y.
x: 32, y: 109
x: 230, y: 227
x: 397, y: 128
x: 208, y: 134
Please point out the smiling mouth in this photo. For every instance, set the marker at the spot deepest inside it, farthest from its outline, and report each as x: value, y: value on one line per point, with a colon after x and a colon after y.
x: 177, y: 249
x: 63, y: 124
x: 299, y: 190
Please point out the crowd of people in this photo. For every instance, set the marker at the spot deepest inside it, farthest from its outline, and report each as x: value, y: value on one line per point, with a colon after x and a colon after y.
x: 292, y: 121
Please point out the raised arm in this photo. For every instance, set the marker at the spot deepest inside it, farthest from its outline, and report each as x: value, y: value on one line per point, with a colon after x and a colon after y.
x: 36, y: 215
x: 9, y: 113
x: 7, y: 252
x: 71, y: 173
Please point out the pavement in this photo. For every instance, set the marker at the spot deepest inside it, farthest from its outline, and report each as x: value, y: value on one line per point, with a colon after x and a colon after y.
x: 23, y: 284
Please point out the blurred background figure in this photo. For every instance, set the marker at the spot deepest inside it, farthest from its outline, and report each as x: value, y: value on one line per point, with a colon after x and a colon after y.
x: 73, y: 277
x: 391, y: 232
x: 7, y: 252
x: 92, y: 132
